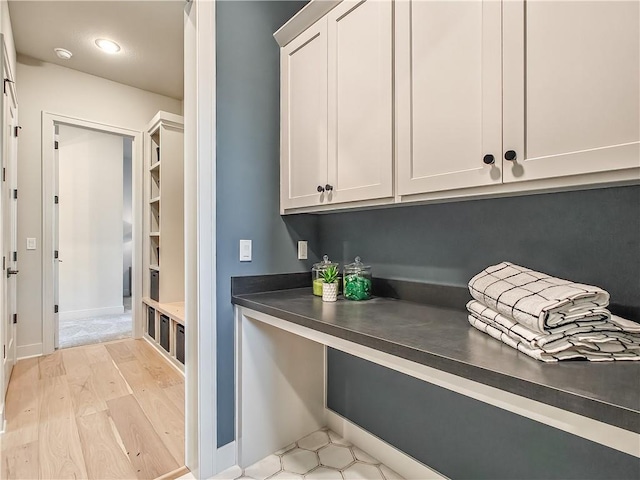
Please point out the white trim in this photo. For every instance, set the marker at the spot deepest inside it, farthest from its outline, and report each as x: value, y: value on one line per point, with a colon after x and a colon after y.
x: 48, y: 190
x: 310, y: 14
x: 28, y: 351
x: 92, y: 312
x: 395, y: 459
x: 588, y: 428
x: 200, y: 239
x: 226, y: 456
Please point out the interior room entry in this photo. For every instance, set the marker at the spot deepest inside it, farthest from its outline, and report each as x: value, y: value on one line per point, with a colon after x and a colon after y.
x: 93, y: 225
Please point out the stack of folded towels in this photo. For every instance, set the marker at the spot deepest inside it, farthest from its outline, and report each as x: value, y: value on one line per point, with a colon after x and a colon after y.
x: 548, y: 318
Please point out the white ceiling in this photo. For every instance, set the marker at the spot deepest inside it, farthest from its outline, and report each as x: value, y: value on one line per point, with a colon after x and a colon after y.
x: 150, y: 34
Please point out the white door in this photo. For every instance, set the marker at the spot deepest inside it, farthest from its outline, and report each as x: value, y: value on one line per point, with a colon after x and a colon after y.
x: 448, y: 94
x: 360, y: 101
x: 304, y: 118
x: 571, y: 87
x: 9, y: 219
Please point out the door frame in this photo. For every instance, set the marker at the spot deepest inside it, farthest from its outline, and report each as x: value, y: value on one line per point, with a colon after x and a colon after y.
x: 49, y: 120
x: 11, y: 183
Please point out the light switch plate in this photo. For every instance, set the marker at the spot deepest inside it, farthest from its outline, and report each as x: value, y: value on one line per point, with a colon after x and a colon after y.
x: 302, y: 250
x: 31, y: 243
x: 245, y: 250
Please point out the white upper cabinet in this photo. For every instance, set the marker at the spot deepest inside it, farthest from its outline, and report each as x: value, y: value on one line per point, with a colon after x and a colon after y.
x: 304, y: 118
x: 337, y: 108
x: 360, y: 101
x: 448, y: 94
x: 421, y: 100
x: 571, y: 87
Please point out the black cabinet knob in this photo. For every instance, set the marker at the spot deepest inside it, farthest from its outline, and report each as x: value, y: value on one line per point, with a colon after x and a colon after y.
x: 328, y: 187
x: 489, y: 159
x: 510, y: 155
x: 320, y: 189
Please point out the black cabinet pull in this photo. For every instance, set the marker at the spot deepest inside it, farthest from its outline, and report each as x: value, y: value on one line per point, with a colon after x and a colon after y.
x: 489, y: 159
x: 320, y: 189
x: 510, y: 155
x: 328, y: 187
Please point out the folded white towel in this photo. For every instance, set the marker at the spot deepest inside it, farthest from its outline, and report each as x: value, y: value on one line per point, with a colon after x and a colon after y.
x: 540, y: 354
x: 615, y: 339
x: 537, y: 300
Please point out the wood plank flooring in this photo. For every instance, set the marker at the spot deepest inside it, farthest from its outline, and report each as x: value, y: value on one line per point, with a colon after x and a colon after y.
x: 107, y: 411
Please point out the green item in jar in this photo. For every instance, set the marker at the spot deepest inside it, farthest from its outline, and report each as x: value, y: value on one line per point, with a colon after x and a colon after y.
x: 317, y: 287
x: 357, y: 287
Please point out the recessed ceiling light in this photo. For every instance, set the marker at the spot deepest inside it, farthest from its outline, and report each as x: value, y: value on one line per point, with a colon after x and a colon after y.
x: 108, y: 46
x: 63, y: 53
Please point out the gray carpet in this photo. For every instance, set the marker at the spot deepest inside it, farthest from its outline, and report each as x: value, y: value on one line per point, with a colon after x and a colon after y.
x: 86, y: 331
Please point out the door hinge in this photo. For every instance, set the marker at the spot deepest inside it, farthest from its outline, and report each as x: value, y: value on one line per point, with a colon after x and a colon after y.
x: 4, y: 263
x: 55, y: 254
x: 15, y: 194
x: 15, y: 318
x: 4, y: 351
x: 16, y: 129
x: 4, y: 174
x: 15, y: 256
x: 56, y: 199
x: 55, y: 145
x: 55, y: 309
x: 4, y: 87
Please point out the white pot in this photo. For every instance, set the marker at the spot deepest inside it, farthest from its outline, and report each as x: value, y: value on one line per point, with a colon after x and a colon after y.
x: 329, y: 292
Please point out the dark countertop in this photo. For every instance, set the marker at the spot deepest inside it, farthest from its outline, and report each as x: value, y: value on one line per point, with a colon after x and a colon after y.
x: 442, y: 338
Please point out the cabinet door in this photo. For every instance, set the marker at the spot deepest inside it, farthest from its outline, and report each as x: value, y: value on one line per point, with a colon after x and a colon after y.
x: 571, y: 87
x: 448, y: 94
x: 360, y: 101
x: 304, y: 118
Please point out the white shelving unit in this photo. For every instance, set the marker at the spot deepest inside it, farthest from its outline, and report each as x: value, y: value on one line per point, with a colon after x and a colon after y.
x: 163, y: 285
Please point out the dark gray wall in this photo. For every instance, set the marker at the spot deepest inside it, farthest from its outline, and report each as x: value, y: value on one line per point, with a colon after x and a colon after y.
x: 590, y: 236
x: 248, y: 159
x: 461, y: 437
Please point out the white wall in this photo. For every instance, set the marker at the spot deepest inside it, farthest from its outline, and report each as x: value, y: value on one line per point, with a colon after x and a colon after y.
x: 46, y: 87
x: 90, y: 223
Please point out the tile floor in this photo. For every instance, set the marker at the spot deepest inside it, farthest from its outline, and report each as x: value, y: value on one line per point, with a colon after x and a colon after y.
x: 322, y: 455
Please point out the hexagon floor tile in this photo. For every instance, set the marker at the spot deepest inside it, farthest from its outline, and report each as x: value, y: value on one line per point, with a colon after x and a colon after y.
x: 322, y: 455
x: 314, y: 441
x: 336, y: 456
x: 299, y: 461
x: 264, y: 468
x: 362, y: 471
x: 323, y: 473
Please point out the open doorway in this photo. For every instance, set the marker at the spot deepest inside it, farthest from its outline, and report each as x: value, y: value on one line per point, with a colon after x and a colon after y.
x: 93, y: 223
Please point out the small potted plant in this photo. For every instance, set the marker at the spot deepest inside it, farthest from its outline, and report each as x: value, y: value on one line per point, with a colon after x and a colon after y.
x: 330, y: 284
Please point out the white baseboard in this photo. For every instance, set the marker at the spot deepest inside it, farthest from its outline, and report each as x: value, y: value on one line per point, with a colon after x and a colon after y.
x: 27, y: 351
x: 407, y: 466
x: 92, y: 312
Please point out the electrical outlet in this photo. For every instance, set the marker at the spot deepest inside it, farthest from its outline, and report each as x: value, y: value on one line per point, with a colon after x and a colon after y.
x: 302, y: 250
x: 245, y: 250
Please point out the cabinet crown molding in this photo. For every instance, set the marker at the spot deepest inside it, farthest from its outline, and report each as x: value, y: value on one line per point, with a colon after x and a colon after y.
x: 310, y: 14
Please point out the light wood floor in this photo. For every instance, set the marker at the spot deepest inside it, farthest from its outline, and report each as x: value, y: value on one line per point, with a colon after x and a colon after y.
x: 106, y: 411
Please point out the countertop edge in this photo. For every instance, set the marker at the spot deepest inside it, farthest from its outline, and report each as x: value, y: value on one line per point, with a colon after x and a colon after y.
x: 597, y: 410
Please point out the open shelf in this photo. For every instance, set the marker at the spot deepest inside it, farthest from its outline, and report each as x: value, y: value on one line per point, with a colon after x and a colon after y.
x: 164, y: 227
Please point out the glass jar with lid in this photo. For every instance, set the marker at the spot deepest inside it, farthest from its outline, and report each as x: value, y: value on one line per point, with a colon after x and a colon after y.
x: 316, y: 274
x: 357, y: 281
